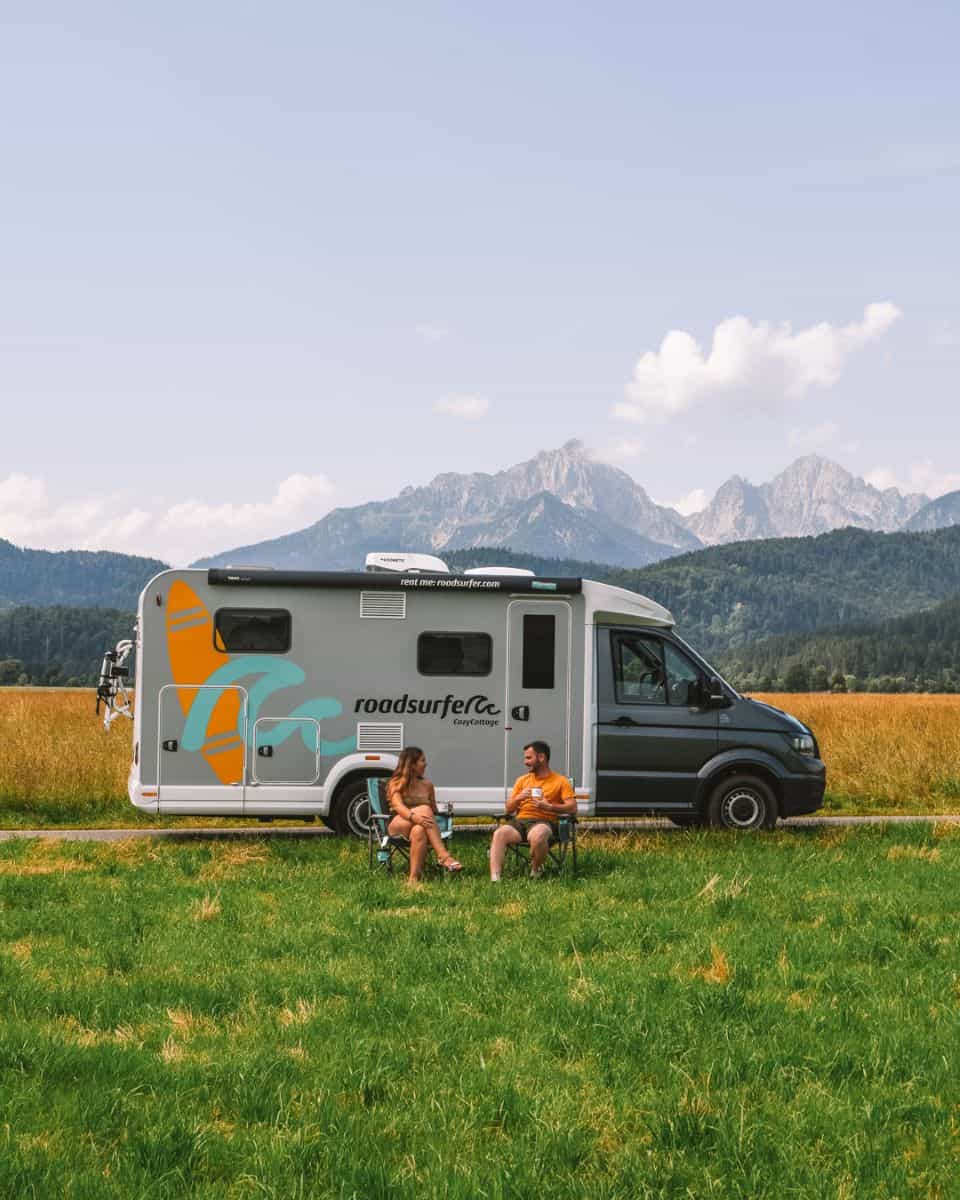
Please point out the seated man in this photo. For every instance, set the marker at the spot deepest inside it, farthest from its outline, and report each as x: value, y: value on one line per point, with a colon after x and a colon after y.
x: 539, y: 798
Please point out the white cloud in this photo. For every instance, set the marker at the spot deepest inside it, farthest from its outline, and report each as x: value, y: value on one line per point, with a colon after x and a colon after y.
x: 764, y: 359
x: 177, y: 532
x: 921, y: 476
x: 686, y: 506
x: 816, y: 436
x: 619, y: 452
x: 467, y: 407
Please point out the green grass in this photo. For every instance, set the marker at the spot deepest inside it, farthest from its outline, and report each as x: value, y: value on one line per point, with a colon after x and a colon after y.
x: 695, y: 1015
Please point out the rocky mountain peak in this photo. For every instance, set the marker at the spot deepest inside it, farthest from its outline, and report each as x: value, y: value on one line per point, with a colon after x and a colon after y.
x: 812, y: 495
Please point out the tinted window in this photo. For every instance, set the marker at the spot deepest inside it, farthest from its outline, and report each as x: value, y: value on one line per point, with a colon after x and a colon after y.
x: 638, y: 673
x: 539, y: 645
x: 454, y: 653
x: 252, y: 630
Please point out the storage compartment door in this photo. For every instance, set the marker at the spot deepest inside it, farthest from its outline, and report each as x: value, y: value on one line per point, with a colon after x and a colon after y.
x: 202, y: 753
x: 286, y: 750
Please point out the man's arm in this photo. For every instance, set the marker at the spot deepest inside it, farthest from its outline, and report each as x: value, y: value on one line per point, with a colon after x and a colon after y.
x: 518, y: 794
x: 567, y: 804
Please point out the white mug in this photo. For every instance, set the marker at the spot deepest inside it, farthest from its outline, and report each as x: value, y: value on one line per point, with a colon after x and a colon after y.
x: 536, y: 793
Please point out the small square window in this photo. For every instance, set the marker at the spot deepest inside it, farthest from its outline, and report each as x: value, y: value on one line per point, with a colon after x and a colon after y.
x: 251, y: 630
x: 454, y: 653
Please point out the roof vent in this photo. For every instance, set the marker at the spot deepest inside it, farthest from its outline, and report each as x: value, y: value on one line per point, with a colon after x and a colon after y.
x: 412, y: 563
x: 501, y: 571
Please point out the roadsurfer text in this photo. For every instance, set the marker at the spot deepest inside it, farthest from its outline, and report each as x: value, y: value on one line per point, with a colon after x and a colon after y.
x: 436, y: 707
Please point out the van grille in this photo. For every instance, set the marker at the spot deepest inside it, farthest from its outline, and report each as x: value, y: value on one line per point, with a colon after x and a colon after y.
x: 389, y: 606
x: 379, y: 737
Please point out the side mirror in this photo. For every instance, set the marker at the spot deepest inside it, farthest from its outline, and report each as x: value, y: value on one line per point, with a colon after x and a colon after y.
x: 713, y: 694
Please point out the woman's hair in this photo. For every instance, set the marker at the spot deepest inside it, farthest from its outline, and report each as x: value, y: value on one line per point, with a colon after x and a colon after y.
x: 399, y: 781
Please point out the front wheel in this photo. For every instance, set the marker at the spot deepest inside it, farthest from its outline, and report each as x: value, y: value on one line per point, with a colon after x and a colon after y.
x: 742, y: 802
x: 350, y: 814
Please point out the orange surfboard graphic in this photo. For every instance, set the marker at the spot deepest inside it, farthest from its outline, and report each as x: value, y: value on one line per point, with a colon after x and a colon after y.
x: 193, y: 660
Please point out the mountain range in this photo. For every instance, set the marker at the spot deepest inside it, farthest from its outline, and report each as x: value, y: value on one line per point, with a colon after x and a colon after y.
x: 565, y: 503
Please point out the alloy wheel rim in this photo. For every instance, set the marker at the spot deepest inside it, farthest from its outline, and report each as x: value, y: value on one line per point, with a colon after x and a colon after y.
x: 742, y: 809
x: 358, y: 816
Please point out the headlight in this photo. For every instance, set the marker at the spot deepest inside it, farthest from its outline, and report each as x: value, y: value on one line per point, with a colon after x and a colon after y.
x: 803, y: 743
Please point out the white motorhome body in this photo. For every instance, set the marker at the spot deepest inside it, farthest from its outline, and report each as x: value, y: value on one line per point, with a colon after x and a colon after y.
x: 268, y: 693
x: 279, y: 693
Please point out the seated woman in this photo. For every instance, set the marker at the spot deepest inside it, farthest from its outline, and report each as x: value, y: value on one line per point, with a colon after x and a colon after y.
x: 414, y: 803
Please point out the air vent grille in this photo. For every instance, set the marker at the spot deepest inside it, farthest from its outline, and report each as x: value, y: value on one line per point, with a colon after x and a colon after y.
x: 383, y: 606
x: 384, y: 737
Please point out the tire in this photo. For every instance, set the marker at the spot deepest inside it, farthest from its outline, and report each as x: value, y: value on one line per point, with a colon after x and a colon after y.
x: 351, y: 809
x: 743, y: 803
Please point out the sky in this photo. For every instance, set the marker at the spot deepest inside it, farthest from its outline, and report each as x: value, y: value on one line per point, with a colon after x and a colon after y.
x: 263, y: 260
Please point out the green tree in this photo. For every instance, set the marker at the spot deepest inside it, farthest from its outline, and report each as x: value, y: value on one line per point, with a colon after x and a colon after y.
x: 796, y: 678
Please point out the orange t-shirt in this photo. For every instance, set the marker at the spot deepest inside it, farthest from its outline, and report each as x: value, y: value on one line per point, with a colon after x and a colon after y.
x: 555, y: 788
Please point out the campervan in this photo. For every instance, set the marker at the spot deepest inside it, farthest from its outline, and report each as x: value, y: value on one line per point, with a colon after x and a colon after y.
x: 273, y: 693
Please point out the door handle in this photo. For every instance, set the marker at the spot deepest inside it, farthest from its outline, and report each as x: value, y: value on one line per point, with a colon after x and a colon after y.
x: 521, y: 712
x: 624, y: 722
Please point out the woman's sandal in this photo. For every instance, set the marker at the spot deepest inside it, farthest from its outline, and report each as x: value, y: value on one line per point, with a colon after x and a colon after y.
x: 451, y: 864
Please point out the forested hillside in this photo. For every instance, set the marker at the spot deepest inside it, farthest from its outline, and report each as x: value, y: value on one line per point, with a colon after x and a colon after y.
x: 916, y: 653
x: 58, y: 645
x: 727, y: 596
x: 789, y: 612
x: 97, y: 578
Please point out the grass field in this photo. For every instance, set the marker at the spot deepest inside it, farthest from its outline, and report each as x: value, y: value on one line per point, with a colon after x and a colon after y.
x: 696, y: 1015
x: 884, y: 754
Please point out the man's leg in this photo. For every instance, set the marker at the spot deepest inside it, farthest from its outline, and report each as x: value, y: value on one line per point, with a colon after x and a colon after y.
x: 539, y: 839
x: 503, y: 837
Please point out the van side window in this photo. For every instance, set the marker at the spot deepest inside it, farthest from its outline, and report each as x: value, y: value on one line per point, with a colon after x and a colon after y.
x: 454, y: 653
x: 638, y: 673
x: 539, y: 650
x: 251, y: 630
x: 683, y: 677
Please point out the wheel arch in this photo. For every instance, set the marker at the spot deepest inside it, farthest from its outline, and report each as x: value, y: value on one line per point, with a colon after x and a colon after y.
x: 737, y: 762
x: 353, y: 767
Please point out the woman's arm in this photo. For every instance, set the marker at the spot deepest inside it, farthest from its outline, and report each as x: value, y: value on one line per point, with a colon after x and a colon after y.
x: 397, y: 802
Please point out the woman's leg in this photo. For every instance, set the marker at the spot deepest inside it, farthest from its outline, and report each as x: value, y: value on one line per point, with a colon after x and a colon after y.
x: 417, y: 837
x: 418, y: 851
x: 432, y: 832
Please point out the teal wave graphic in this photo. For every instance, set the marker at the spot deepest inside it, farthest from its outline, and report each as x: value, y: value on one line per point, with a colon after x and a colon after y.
x: 275, y: 674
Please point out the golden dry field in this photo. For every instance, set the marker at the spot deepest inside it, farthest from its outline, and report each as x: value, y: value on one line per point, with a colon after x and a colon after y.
x: 884, y: 754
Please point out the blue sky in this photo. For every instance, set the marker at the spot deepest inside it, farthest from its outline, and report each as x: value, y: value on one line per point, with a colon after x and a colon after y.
x: 262, y: 260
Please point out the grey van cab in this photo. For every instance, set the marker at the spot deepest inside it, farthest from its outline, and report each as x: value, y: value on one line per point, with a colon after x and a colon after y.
x: 675, y: 739
x: 263, y: 693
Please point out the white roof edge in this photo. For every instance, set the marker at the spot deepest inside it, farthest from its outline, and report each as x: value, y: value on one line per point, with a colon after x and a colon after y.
x: 608, y: 603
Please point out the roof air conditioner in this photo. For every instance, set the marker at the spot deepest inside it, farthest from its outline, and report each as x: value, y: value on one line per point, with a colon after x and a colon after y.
x: 414, y: 564
x: 500, y: 571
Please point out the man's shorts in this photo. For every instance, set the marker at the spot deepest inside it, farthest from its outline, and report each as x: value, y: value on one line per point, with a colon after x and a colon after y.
x: 524, y: 827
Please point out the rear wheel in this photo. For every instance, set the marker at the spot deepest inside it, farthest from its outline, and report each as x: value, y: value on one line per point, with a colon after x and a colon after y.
x: 350, y: 814
x: 742, y: 802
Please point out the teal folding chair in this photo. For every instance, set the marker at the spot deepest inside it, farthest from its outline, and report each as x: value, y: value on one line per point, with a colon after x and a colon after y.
x: 383, y: 846
x: 562, y: 850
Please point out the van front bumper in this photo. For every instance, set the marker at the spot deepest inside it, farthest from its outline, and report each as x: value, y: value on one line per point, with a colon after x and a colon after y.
x: 801, y: 794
